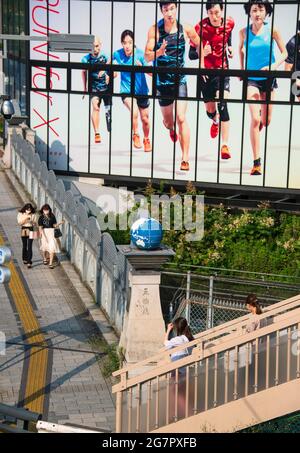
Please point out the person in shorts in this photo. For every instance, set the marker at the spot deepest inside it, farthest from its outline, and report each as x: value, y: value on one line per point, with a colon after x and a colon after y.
x: 139, y: 104
x: 257, y: 52
x: 100, y: 88
x: 166, y: 48
x: 215, y: 33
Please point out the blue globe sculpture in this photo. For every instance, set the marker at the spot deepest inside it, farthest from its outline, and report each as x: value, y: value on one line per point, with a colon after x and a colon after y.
x: 146, y: 234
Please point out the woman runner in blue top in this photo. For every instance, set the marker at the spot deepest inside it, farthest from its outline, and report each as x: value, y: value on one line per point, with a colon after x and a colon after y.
x: 140, y: 104
x: 257, y: 53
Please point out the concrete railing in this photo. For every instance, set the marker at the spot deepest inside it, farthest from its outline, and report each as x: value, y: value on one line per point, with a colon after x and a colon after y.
x: 105, y: 274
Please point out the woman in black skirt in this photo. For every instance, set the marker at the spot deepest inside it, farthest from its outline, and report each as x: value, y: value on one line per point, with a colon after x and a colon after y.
x: 27, y: 219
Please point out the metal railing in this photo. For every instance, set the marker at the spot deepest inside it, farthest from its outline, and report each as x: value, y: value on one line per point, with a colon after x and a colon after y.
x: 209, y: 300
x: 17, y: 420
x: 227, y: 369
x: 215, y: 334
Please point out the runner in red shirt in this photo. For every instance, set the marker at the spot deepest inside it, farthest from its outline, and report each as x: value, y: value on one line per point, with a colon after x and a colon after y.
x: 215, y: 34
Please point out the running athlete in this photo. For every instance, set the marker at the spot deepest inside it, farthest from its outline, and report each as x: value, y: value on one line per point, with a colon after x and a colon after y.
x: 100, y: 81
x: 257, y: 46
x: 292, y: 63
x: 215, y: 35
x: 140, y: 104
x: 166, y: 46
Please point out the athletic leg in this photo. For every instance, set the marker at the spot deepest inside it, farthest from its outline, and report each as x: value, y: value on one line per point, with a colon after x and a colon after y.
x: 209, y: 90
x: 255, y: 109
x: 168, y: 116
x: 183, y: 128
x: 96, y: 113
x: 225, y: 125
x: 107, y: 104
x: 95, y: 116
x: 267, y: 109
x: 144, y: 114
x: 131, y: 105
x: 166, y: 106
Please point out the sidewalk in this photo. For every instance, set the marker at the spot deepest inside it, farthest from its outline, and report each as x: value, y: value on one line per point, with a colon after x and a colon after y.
x: 48, y: 307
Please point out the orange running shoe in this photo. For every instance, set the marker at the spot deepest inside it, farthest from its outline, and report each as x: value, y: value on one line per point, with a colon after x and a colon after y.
x: 136, y: 141
x: 214, y: 130
x: 225, y: 154
x: 97, y: 138
x: 256, y: 170
x: 147, y: 145
x: 184, y: 165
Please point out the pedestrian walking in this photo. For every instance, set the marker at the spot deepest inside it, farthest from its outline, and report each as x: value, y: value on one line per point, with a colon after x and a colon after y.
x: 27, y: 219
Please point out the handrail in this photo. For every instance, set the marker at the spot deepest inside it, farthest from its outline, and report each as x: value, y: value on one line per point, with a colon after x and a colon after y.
x: 19, y: 413
x: 13, y: 430
x: 293, y: 319
x: 237, y: 323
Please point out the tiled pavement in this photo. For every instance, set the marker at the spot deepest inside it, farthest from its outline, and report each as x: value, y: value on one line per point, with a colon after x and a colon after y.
x: 76, y: 392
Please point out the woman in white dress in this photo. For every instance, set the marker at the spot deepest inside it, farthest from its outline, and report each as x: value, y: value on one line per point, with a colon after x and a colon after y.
x: 49, y: 244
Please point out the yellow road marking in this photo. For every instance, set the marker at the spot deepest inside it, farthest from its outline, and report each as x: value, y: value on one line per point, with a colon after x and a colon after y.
x: 38, y: 358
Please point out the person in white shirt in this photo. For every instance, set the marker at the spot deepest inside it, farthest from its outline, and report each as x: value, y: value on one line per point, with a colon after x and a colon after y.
x: 254, y: 308
x: 183, y: 336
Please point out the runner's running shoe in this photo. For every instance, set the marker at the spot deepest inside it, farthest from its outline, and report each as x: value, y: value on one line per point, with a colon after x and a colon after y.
x: 147, y: 145
x: 136, y: 141
x: 184, y: 165
x: 214, y: 130
x: 225, y: 154
x: 256, y: 170
x: 97, y: 138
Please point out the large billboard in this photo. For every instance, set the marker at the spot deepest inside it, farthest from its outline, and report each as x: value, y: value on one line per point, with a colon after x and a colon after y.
x: 167, y: 92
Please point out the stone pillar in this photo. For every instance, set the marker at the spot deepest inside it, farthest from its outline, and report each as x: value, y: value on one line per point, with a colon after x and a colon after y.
x: 6, y: 157
x: 143, y: 328
x: 30, y: 135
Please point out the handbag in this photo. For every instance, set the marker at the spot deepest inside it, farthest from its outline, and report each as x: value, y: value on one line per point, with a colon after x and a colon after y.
x: 57, y: 233
x: 35, y: 234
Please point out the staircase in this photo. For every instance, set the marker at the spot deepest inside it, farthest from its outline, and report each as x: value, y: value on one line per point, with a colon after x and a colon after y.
x: 232, y: 379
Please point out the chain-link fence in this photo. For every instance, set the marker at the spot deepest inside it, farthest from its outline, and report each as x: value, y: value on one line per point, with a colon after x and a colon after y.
x: 207, y: 301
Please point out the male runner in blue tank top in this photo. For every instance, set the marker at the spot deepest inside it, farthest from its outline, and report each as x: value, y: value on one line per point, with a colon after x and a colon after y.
x: 292, y: 63
x: 166, y: 47
x: 100, y: 82
x: 256, y: 47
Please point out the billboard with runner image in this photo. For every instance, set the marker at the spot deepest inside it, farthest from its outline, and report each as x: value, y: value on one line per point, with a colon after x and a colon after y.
x: 190, y: 90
